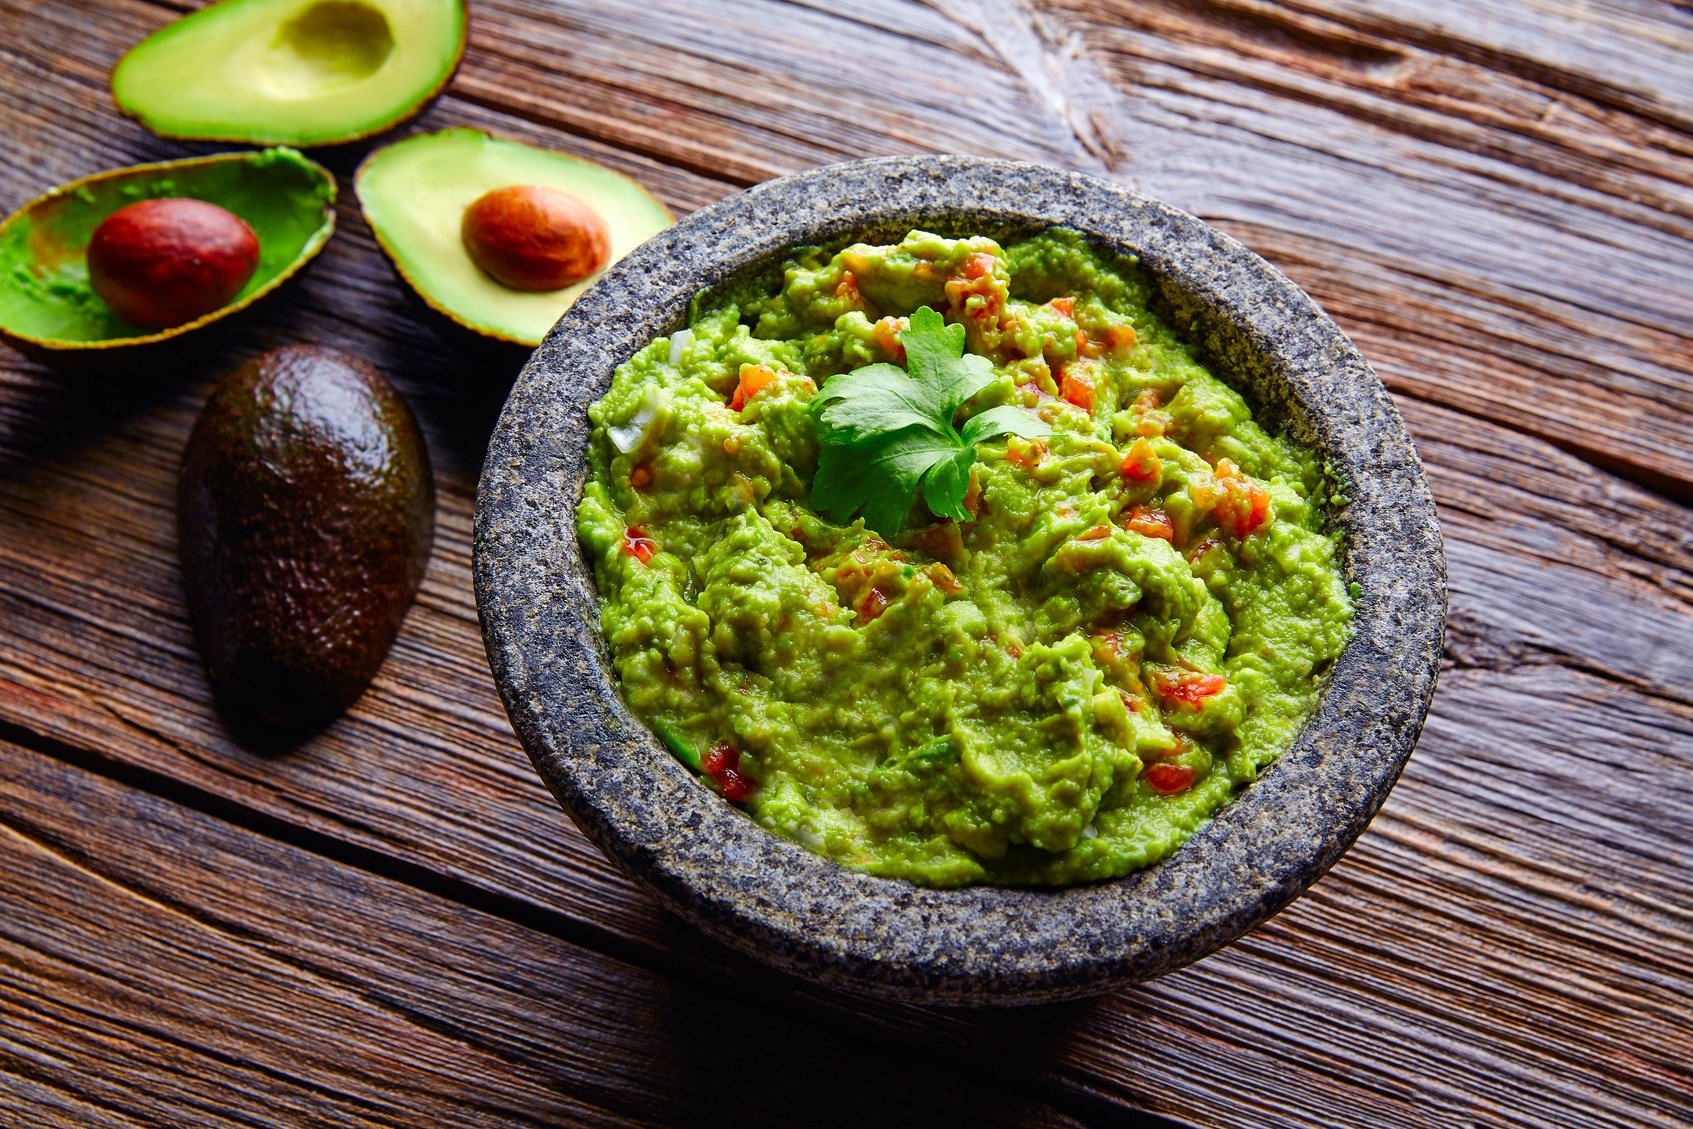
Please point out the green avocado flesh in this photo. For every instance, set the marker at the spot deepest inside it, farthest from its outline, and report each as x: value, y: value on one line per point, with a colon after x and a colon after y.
x: 414, y: 194
x: 285, y: 198
x: 297, y: 72
x: 1134, y: 620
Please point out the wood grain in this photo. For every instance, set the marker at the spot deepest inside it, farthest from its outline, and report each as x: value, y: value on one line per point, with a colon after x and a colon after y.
x: 1497, y: 204
x: 197, y: 972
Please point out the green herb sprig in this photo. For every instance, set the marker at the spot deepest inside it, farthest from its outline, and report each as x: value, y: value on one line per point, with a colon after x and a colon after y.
x: 887, y: 431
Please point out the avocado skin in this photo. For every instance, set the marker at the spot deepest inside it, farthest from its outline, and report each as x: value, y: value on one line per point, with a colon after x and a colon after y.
x: 305, y: 515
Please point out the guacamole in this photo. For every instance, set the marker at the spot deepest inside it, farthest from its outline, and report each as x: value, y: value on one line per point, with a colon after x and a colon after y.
x: 1129, y: 621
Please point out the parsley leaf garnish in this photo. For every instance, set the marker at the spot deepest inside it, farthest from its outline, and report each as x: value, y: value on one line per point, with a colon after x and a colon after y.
x: 887, y: 431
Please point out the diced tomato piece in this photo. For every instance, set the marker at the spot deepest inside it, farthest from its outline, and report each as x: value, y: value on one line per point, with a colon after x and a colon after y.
x: 973, y: 495
x: 885, y: 333
x: 1119, y: 338
x: 1026, y: 453
x: 1244, y: 508
x: 875, y: 602
x: 847, y: 289
x: 1141, y: 464
x: 641, y: 477
x: 1149, y: 522
x: 1082, y: 345
x: 1189, y: 687
x: 639, y: 545
x: 1149, y: 420
x: 733, y: 785
x: 1077, y: 389
x: 1065, y: 306
x: 1097, y: 533
x: 753, y: 380
x: 943, y: 578
x: 975, y: 280
x: 1168, y: 779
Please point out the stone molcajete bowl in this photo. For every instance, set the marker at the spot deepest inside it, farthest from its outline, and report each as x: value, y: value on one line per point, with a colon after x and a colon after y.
x: 772, y: 898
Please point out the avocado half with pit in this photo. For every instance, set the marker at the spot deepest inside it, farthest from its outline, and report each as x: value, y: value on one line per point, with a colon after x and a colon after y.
x: 415, y: 192
x: 293, y: 72
x: 47, y: 305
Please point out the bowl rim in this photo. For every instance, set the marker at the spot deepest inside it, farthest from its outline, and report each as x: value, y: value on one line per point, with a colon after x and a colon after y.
x: 770, y: 897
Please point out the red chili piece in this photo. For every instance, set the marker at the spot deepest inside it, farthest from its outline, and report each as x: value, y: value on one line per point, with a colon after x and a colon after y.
x: 715, y: 759
x: 639, y: 545
x: 733, y: 785
x: 1167, y: 779
x: 722, y: 762
x: 1202, y: 548
x: 1189, y: 687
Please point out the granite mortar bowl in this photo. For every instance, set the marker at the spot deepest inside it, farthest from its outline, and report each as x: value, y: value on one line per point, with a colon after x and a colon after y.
x: 771, y: 898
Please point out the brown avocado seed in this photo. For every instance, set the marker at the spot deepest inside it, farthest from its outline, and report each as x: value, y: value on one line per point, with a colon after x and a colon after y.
x: 533, y: 238
x: 161, y: 263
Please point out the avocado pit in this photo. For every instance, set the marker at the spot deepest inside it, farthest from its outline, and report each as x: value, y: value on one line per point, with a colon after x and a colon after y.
x: 164, y: 262
x: 530, y: 237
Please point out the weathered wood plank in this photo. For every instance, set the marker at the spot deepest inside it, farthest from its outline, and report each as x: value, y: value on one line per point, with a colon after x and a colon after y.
x: 1500, y: 246
x: 161, y: 965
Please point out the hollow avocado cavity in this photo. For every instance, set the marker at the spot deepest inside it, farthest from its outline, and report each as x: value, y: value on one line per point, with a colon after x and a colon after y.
x: 330, y: 45
x: 296, y: 72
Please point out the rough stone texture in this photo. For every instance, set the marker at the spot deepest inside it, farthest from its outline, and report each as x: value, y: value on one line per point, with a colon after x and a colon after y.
x: 770, y: 897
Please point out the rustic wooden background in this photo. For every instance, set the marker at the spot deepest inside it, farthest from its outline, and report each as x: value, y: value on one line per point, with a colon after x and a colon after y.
x: 393, y: 924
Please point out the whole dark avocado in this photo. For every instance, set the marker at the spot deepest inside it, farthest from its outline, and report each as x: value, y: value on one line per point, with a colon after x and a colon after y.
x: 305, y: 513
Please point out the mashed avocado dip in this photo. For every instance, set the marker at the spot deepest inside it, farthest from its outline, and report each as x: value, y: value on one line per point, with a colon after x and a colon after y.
x: 1128, y: 623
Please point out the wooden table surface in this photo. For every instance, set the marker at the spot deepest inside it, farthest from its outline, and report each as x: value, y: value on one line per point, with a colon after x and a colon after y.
x: 393, y: 923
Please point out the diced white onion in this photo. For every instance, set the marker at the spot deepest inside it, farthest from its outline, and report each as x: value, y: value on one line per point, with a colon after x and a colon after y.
x: 679, y: 341
x: 629, y: 436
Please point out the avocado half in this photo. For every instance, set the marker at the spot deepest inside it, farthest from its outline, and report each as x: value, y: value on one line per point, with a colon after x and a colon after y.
x: 317, y: 72
x: 414, y: 194
x: 47, y: 305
